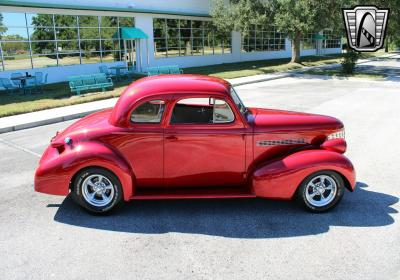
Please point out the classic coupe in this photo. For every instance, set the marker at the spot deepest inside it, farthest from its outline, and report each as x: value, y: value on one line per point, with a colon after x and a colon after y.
x: 191, y: 136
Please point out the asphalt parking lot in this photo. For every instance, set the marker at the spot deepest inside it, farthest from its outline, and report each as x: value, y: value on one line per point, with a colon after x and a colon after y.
x: 44, y: 237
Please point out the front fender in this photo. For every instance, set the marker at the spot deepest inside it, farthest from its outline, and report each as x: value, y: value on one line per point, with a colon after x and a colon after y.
x: 279, y: 179
x: 55, y: 171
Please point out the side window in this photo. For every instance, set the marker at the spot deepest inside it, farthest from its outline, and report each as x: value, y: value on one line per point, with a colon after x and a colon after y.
x: 148, y: 112
x: 222, y: 112
x: 201, y: 111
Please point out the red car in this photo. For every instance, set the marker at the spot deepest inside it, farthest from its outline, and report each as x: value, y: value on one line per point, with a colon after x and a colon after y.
x: 190, y: 136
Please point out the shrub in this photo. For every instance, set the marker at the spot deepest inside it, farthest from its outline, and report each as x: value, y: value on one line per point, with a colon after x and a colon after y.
x: 349, y: 62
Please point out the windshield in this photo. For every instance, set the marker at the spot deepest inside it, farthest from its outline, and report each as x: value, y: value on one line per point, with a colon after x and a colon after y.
x: 238, y: 102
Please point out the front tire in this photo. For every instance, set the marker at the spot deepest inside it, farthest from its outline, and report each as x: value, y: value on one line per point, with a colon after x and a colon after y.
x: 97, y: 190
x: 321, y: 191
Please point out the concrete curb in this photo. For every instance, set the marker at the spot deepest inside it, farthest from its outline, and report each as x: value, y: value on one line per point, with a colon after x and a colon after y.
x: 67, y: 117
x: 277, y: 77
x: 47, y: 121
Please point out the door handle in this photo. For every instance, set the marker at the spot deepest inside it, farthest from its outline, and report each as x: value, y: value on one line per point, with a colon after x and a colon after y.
x: 171, y: 138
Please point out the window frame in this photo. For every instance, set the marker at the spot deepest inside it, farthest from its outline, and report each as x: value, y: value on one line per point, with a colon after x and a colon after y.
x: 53, y: 29
x: 332, y: 40
x: 208, y: 125
x: 262, y: 39
x: 308, y: 42
x: 143, y: 101
x: 187, y: 30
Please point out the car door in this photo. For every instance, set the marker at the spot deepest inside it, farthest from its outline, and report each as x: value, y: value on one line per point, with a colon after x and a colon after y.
x: 142, y: 143
x: 204, y: 144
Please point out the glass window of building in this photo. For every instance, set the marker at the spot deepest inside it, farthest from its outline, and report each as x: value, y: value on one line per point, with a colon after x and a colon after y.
x: 15, y: 49
x: 181, y: 37
x: 308, y: 42
x: 160, y: 37
x: 29, y: 40
x: 261, y: 39
x: 332, y: 40
x: 173, y: 37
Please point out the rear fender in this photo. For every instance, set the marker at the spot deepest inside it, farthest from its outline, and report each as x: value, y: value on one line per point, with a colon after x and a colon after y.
x: 279, y: 179
x: 54, y: 174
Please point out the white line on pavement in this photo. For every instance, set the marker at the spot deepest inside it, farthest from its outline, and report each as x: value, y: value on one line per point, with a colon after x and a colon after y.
x: 18, y: 147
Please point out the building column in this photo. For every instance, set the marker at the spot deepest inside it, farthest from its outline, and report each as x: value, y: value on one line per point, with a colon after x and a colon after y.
x: 288, y: 46
x: 236, y: 45
x: 145, y: 23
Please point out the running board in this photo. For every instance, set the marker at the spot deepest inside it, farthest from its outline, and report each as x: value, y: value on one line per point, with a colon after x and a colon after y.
x: 198, y: 193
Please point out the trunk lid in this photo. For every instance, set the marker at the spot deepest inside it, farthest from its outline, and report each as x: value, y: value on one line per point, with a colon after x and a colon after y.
x: 86, y: 125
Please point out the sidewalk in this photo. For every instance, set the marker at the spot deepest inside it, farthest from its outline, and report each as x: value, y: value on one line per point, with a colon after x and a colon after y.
x: 55, y: 115
x: 60, y: 114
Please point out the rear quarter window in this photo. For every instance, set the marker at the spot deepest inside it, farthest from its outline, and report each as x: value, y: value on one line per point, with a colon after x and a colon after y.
x: 148, y: 112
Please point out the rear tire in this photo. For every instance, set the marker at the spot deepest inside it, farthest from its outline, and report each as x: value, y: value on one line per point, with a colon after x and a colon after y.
x: 321, y: 191
x: 97, y: 190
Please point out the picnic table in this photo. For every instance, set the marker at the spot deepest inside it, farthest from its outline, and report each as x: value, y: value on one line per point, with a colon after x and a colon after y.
x: 23, y: 80
x: 118, y: 69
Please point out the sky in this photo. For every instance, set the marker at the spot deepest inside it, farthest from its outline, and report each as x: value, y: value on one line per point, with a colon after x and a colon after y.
x: 15, y: 22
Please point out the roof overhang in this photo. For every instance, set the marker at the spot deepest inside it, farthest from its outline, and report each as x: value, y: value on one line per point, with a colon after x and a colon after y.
x: 28, y: 4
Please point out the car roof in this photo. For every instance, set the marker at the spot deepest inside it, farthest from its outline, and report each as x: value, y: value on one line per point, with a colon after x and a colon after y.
x: 167, y: 85
x: 187, y: 83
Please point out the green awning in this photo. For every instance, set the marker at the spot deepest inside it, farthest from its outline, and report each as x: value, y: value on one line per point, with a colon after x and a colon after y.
x: 318, y: 36
x: 130, y: 33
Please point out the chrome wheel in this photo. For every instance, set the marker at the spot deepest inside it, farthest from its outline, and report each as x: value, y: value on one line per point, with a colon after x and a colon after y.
x: 98, y: 190
x: 321, y: 190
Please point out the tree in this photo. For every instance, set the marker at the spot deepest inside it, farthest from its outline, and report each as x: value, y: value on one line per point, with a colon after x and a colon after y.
x: 393, y: 24
x: 240, y: 15
x: 13, y: 44
x: 299, y: 17
x: 66, y: 32
x: 43, y: 34
x: 295, y: 18
x: 3, y: 29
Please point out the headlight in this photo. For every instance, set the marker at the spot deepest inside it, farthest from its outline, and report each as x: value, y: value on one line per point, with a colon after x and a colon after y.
x: 337, y: 134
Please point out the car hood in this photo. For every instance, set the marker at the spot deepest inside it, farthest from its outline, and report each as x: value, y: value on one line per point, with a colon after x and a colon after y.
x: 279, y: 120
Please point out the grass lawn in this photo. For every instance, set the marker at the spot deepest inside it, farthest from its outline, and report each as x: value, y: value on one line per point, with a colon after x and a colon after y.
x: 54, y: 95
x: 242, y: 69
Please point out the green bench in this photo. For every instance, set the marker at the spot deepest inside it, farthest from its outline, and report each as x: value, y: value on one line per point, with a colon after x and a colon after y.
x: 88, y: 82
x: 171, y: 69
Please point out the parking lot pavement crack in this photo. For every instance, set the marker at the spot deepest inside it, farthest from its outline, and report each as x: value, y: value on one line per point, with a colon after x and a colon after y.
x: 18, y: 147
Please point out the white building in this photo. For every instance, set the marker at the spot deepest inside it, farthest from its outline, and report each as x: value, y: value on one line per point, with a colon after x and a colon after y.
x: 75, y: 37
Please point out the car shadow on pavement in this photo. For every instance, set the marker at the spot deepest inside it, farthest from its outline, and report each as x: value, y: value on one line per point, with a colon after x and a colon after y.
x: 235, y: 218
